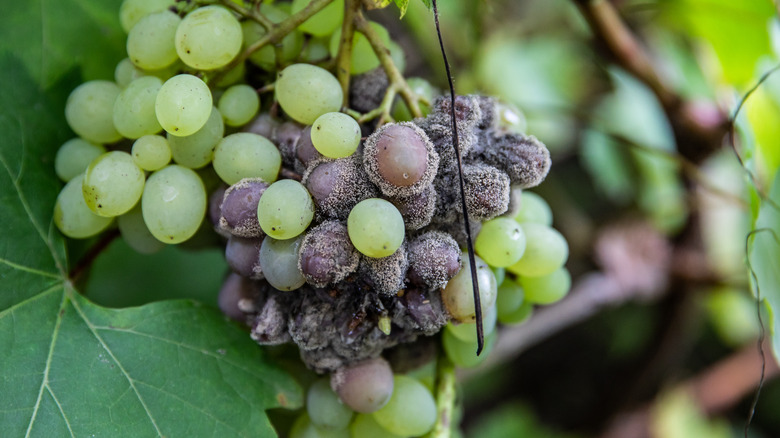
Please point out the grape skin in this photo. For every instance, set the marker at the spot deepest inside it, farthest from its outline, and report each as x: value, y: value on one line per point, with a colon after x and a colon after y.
x: 183, y: 105
x: 411, y: 410
x: 324, y: 407
x: 285, y: 210
x: 89, y: 111
x: 112, y: 184
x: 150, y: 43
x: 208, y: 38
x: 306, y: 92
x: 246, y: 155
x: 500, y: 242
x: 375, y: 227
x: 335, y: 135
x: 74, y: 156
x: 174, y: 203
x: 458, y: 295
x: 73, y: 217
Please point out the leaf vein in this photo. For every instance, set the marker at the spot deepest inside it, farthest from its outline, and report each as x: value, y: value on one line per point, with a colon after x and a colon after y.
x: 29, y: 269
x: 62, y: 411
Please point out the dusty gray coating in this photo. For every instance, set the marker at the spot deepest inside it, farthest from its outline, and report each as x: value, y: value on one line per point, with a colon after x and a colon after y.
x: 327, y: 255
x: 524, y: 159
x: 244, y: 195
x: 434, y: 258
x: 367, y: 90
x: 349, y: 185
x: 417, y: 210
x: 487, y: 191
x: 386, y: 275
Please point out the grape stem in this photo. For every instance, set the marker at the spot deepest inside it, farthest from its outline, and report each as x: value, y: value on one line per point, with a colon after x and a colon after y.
x: 344, y: 57
x: 253, y: 13
x: 276, y: 32
x: 445, y: 398
x: 86, y: 261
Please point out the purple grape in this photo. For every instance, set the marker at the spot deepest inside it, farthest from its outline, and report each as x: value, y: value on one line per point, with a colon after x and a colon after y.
x: 367, y: 90
x: 264, y: 125
x: 338, y: 185
x: 326, y: 255
x: 364, y: 386
x: 287, y: 135
x: 242, y: 256
x: 234, y: 292
x: 239, y: 208
x: 215, y: 204
x: 486, y: 190
x: 524, y: 159
x: 305, y: 151
x: 434, y: 258
x: 417, y: 210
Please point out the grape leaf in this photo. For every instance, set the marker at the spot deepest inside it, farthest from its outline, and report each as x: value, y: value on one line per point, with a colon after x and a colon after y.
x: 402, y: 5
x: 72, y: 368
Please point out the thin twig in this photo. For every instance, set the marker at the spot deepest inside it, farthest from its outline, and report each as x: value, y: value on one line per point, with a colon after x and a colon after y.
x: 253, y: 14
x: 344, y: 57
x: 86, y: 261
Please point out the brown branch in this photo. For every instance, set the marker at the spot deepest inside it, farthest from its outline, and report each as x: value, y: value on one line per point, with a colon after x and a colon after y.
x: 86, y: 261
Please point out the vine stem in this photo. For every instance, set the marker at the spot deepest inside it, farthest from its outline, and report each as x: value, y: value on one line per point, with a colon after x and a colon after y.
x: 253, y: 13
x: 86, y: 261
x: 445, y: 398
x: 344, y: 57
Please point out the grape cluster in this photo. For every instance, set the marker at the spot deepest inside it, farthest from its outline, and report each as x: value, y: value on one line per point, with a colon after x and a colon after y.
x: 344, y: 244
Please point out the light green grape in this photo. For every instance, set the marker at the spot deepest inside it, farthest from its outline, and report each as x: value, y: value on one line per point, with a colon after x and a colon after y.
x: 265, y: 57
x: 246, y: 155
x: 421, y: 87
x: 306, y: 92
x: 335, y: 135
x: 74, y: 156
x: 411, y: 410
x: 546, y: 289
x: 208, y: 38
x: 510, y: 118
x: 533, y: 209
x: 316, y: 50
x: 151, y: 152
x: 89, y: 111
x: 510, y: 297
x: 127, y: 72
x: 323, y: 22
x: 304, y: 428
x: 113, y: 184
x: 197, y: 150
x: 72, y: 216
x: 467, y: 332
x: 183, y: 105
x: 500, y: 242
x: 364, y: 426
x: 134, y: 108
x: 135, y: 232
x: 520, y: 314
x: 458, y: 294
x: 238, y: 105
x: 545, y: 251
x: 325, y: 408
x: 150, y: 43
x: 500, y: 274
x: 234, y: 75
x: 464, y: 353
x: 375, y: 227
x: 285, y: 209
x: 363, y: 57
x: 279, y: 261
x: 133, y: 10
x: 174, y: 203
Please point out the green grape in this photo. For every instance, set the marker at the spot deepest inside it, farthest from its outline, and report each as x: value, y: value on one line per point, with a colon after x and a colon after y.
x: 500, y: 242
x: 238, y: 105
x: 304, y: 428
x: 316, y: 50
x: 197, y: 150
x: 133, y: 10
x: 467, y: 332
x: 246, y: 155
x: 151, y: 152
x: 520, y: 314
x: 411, y: 410
x: 363, y: 57
x: 323, y: 22
x: 183, y: 105
x: 150, y: 43
x: 397, y: 55
x: 464, y: 353
x: 135, y: 232
x: 375, y: 227
x: 265, y: 57
x: 500, y: 274
x: 510, y: 118
x: 285, y: 209
x: 113, y: 184
x: 74, y: 156
x: 458, y: 294
x: 174, y: 203
x: 510, y: 297
x: 546, y: 289
x: 234, y: 75
x: 134, y: 108
x: 208, y: 38
x: 364, y: 426
x: 533, y: 209
x: 89, y: 111
x: 306, y: 92
x: 126, y: 72
x: 335, y: 135
x: 279, y: 262
x: 545, y: 251
x: 421, y: 87
x: 324, y: 407
x: 72, y: 216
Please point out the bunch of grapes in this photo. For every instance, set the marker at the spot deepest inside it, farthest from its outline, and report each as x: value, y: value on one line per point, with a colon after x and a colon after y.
x: 344, y: 234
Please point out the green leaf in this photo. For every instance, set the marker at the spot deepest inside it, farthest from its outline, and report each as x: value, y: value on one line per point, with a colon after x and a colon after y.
x: 72, y: 368
x: 427, y: 3
x: 402, y: 5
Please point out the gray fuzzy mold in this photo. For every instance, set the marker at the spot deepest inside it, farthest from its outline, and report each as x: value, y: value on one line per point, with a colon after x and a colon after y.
x: 337, y: 185
x: 386, y: 275
x: 327, y: 256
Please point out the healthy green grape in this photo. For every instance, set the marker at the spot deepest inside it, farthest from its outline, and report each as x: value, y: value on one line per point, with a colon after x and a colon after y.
x: 324, y: 407
x: 238, y: 105
x: 197, y: 150
x: 151, y: 152
x: 285, y: 209
x: 364, y: 425
x: 521, y: 314
x: 127, y: 72
x: 174, y: 203
x: 74, y: 156
x: 183, y: 105
x: 421, y: 87
x: 306, y: 92
x: 375, y: 227
x: 208, y: 38
x: 279, y: 261
x: 500, y: 274
x: 510, y: 118
x: 323, y: 22
x: 316, y: 50
x: 533, y: 209
x: 304, y: 428
x: 510, y: 297
x: 464, y: 353
x: 458, y: 294
x: 135, y: 232
x: 467, y: 332
x: 113, y: 184
x: 546, y: 289
x: 246, y: 155
x: 411, y: 410
x: 265, y: 57
x: 73, y: 217
x: 133, y: 10
x: 545, y: 251
x: 500, y: 242
x: 150, y: 43
x: 335, y: 135
x: 134, y: 108
x: 363, y: 57
x: 89, y: 111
